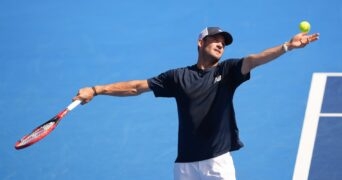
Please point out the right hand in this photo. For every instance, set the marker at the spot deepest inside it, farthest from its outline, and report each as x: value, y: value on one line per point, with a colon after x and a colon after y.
x: 85, y: 95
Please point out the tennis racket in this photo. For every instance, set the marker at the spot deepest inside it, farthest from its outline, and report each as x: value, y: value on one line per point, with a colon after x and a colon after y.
x: 43, y: 130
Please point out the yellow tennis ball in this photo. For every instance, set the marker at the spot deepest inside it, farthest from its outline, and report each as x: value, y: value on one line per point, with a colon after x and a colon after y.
x: 304, y: 26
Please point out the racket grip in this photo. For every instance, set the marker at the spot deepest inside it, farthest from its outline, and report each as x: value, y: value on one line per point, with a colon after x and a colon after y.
x: 73, y: 104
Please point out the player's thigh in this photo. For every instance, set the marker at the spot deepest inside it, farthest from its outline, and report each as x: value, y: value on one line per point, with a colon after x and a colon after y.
x: 186, y: 171
x: 218, y: 168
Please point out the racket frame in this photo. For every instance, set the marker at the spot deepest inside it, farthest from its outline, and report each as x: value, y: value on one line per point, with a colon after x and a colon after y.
x: 41, y: 131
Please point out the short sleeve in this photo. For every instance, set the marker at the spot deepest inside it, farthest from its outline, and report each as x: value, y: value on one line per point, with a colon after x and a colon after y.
x: 163, y: 84
x: 232, y: 70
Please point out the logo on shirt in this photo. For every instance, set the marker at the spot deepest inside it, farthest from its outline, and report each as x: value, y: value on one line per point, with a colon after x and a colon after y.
x: 217, y: 79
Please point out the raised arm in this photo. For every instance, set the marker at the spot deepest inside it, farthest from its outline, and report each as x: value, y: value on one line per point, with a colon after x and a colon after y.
x: 298, y: 41
x: 128, y: 88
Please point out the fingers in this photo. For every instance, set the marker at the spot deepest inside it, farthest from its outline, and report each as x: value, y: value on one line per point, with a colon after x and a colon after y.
x: 313, y: 37
x: 306, y: 39
x: 85, y: 95
x: 77, y: 97
x: 310, y: 37
x: 83, y: 101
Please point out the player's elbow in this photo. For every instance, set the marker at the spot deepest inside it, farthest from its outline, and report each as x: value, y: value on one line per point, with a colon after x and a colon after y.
x: 139, y: 87
x: 248, y: 64
x: 135, y: 92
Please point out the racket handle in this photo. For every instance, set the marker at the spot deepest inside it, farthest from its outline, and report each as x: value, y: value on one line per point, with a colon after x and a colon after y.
x: 74, y: 104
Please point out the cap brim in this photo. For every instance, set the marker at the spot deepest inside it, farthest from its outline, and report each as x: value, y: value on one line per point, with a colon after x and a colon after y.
x: 228, y: 38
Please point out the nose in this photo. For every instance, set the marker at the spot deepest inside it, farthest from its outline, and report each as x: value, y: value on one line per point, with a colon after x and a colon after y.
x: 219, y: 45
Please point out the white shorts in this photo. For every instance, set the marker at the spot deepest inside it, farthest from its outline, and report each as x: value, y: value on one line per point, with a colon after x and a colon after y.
x: 217, y: 168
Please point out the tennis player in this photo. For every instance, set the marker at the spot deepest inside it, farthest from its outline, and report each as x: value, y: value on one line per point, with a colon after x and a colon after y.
x: 204, y: 93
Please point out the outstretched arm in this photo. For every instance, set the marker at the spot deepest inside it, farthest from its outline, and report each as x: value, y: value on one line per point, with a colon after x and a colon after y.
x: 129, y: 88
x: 298, y: 41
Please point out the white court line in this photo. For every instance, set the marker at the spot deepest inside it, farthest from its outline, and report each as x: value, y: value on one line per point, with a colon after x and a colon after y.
x: 307, y: 139
x: 311, y: 119
x: 331, y: 114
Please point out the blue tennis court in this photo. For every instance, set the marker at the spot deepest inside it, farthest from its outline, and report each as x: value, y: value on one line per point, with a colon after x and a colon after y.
x: 50, y: 49
x: 319, y: 151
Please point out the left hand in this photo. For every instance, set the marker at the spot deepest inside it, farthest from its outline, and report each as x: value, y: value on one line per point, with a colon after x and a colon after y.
x: 301, y: 40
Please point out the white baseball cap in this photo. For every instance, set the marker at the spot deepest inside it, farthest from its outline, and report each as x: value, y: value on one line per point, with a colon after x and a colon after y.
x: 210, y: 31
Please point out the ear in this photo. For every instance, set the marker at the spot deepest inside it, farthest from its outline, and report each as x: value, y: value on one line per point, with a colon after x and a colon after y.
x: 200, y: 43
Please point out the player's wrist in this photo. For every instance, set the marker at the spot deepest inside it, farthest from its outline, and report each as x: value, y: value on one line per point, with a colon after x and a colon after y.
x: 94, y: 91
x: 287, y: 47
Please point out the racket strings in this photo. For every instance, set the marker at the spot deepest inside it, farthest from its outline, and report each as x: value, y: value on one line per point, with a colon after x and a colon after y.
x: 43, y: 130
x: 37, y: 133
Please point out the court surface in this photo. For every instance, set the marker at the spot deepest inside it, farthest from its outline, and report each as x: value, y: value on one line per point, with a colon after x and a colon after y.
x: 319, y: 154
x: 50, y: 49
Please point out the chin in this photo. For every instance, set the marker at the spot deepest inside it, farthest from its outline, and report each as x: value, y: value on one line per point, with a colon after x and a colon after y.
x: 216, y: 58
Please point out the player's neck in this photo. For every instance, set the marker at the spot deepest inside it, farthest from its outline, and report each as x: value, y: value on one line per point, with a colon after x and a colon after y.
x: 206, y: 63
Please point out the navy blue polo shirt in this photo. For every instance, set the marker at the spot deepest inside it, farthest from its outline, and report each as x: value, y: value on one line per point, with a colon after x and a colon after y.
x: 207, y: 125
